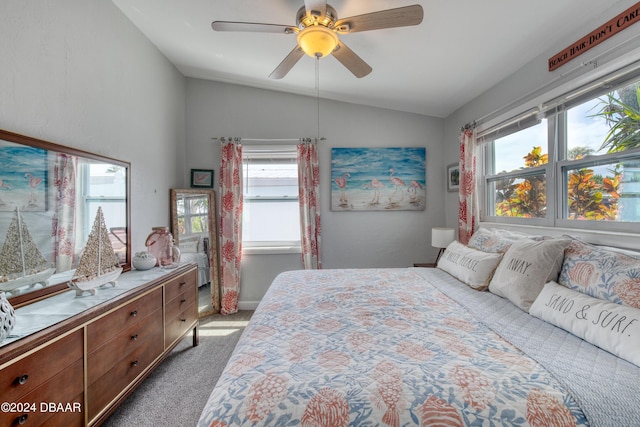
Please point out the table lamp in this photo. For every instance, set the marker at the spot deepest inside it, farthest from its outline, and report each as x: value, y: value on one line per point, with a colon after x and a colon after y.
x: 440, y: 238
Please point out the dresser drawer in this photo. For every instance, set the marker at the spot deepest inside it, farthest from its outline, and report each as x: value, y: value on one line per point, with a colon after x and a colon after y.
x: 180, y: 322
x: 105, y: 328
x: 181, y: 284
x: 181, y: 301
x: 57, y: 401
x: 102, y: 359
x: 26, y: 374
x: 104, y: 389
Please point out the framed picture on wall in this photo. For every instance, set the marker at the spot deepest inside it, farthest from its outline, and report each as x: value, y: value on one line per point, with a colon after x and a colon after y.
x: 378, y: 179
x: 453, y: 177
x: 201, y: 178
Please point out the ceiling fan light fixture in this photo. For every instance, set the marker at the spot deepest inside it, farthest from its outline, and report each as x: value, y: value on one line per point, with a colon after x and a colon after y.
x: 317, y: 41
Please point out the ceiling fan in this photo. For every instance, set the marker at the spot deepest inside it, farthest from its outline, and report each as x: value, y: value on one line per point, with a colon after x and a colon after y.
x: 317, y: 30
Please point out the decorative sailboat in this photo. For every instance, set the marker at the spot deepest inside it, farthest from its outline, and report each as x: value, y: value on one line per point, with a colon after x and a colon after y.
x: 21, y: 262
x: 99, y: 264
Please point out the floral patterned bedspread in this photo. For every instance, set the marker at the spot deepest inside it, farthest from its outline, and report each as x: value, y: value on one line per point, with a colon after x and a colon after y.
x: 378, y: 347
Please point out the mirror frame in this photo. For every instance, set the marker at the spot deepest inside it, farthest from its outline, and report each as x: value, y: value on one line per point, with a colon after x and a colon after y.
x: 213, y: 237
x: 38, y: 294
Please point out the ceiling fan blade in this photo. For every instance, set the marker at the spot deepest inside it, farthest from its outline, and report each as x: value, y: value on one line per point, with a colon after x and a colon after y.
x: 287, y: 63
x: 349, y: 59
x: 316, y: 8
x: 252, y: 27
x: 390, y: 18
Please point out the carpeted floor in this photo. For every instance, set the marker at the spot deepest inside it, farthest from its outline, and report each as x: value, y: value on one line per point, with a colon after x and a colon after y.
x: 175, y: 393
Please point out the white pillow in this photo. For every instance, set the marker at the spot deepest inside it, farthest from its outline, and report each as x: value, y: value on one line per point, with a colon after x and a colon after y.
x: 189, y: 246
x: 468, y: 265
x: 525, y: 268
x: 610, y: 326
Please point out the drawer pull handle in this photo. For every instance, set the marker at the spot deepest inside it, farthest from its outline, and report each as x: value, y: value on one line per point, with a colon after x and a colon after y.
x: 183, y: 300
x: 182, y: 284
x: 183, y: 320
x: 134, y: 313
x: 22, y: 379
x: 22, y: 419
x: 134, y: 337
x: 134, y: 363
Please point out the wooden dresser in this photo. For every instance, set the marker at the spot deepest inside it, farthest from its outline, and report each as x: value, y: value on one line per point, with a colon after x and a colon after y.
x: 78, y: 369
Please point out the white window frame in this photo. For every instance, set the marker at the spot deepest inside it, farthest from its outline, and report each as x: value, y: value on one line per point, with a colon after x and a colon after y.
x: 277, y: 246
x: 554, y: 169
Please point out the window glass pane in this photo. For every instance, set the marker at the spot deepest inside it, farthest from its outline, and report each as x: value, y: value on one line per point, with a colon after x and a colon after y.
x: 271, y: 221
x: 520, y: 197
x: 610, y: 123
x: 523, y: 149
x: 270, y: 184
x: 272, y: 179
x: 586, y: 130
x: 609, y: 192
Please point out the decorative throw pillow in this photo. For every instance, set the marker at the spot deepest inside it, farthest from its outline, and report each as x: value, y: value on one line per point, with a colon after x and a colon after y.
x: 525, y: 268
x: 612, y: 327
x: 189, y: 245
x: 602, y: 273
x: 494, y: 240
x: 468, y: 265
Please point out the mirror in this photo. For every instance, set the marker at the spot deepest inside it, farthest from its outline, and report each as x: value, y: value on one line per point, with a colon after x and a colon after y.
x: 194, y: 230
x: 49, y: 196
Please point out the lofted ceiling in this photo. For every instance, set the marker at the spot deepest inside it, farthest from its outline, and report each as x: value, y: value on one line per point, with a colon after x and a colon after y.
x: 461, y: 48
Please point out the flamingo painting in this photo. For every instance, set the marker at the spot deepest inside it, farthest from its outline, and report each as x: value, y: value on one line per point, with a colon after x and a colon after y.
x: 33, y: 184
x: 378, y: 179
x: 414, y: 187
x: 376, y: 185
x: 341, y: 181
x: 398, y: 184
x: 5, y: 185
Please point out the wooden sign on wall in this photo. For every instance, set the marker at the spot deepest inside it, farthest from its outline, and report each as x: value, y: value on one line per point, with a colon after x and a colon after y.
x: 597, y: 36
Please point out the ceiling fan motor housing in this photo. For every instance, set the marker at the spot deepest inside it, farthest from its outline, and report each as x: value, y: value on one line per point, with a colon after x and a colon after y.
x: 305, y: 20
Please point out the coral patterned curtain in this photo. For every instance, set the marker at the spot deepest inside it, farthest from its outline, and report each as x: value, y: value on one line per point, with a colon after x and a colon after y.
x: 309, y: 195
x: 469, y: 211
x: 230, y: 223
x: 64, y: 218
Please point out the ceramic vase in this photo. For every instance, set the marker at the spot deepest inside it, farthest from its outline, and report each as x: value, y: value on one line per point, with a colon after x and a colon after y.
x: 143, y: 261
x: 7, y: 317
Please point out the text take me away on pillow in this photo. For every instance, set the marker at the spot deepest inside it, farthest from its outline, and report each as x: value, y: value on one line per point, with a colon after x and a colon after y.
x: 610, y: 326
x: 468, y: 265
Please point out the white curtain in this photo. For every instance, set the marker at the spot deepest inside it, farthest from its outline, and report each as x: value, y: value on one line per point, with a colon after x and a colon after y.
x: 230, y: 223
x: 469, y: 209
x: 64, y: 214
x: 309, y: 196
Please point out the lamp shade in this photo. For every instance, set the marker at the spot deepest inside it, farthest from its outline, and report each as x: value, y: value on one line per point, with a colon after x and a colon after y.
x: 317, y: 41
x: 441, y: 237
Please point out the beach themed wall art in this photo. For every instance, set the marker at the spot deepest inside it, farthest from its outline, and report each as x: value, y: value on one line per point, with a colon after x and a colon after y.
x: 378, y: 179
x: 23, y: 178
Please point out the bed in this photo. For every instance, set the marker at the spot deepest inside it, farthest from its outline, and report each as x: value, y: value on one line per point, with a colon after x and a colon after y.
x: 414, y: 346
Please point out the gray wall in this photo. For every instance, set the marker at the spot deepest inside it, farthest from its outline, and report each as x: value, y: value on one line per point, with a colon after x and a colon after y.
x: 349, y: 239
x: 78, y: 73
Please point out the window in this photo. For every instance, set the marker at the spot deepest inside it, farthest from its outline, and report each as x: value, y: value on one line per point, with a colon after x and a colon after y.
x: 193, y: 215
x: 592, y: 173
x: 271, y: 214
x: 103, y: 185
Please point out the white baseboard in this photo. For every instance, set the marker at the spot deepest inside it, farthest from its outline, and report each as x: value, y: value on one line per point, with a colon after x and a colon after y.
x: 248, y: 305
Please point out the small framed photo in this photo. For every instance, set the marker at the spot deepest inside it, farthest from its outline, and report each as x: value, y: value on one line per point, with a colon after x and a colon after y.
x: 201, y: 178
x: 453, y: 177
